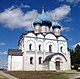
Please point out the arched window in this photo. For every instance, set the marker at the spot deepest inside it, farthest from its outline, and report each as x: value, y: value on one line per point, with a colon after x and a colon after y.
x: 40, y: 60
x: 30, y: 46
x: 50, y: 48
x: 39, y: 47
x: 61, y: 49
x: 31, y: 60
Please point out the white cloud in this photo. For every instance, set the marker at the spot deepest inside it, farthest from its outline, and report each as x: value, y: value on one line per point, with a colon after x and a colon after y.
x: 67, y: 19
x: 71, y: 1
x: 2, y: 43
x: 67, y: 29
x: 24, y: 6
x: 75, y: 45
x: 3, y: 63
x: 59, y: 13
x: 3, y: 53
x: 3, y: 59
x: 16, y: 18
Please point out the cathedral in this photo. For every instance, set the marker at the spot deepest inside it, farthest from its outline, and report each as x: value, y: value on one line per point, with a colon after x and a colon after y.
x: 41, y: 49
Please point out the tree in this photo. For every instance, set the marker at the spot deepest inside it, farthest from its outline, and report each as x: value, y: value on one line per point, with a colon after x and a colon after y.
x: 75, y: 57
x: 77, y: 49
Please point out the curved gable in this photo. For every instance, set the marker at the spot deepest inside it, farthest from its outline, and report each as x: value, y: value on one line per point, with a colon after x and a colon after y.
x: 40, y: 35
x: 30, y: 34
x: 62, y: 38
x: 48, y: 58
x: 50, y: 36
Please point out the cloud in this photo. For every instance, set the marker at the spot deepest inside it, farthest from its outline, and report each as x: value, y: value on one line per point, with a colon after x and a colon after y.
x: 3, y: 63
x: 67, y: 19
x: 59, y: 13
x: 67, y: 29
x: 3, y: 59
x: 75, y: 45
x: 2, y: 43
x: 24, y: 6
x: 73, y: 1
x: 3, y: 53
x: 70, y: 1
x: 16, y: 18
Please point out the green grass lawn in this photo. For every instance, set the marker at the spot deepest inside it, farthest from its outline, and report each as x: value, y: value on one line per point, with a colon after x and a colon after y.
x: 60, y: 77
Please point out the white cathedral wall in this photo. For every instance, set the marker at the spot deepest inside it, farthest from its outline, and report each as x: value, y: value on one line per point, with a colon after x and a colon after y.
x: 64, y: 45
x: 29, y: 41
x: 39, y: 66
x: 50, y: 42
x: 45, y: 48
x: 9, y: 62
x: 40, y: 42
x: 27, y: 65
x: 15, y: 63
x: 68, y: 60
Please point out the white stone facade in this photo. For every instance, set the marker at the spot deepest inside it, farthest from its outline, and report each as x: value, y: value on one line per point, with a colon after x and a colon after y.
x: 41, y: 49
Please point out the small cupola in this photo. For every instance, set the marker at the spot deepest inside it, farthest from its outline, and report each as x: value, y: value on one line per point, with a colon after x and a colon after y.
x: 37, y: 25
x: 56, y: 28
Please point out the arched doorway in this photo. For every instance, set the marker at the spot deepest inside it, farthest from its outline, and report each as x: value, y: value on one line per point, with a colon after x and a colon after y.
x: 57, y: 65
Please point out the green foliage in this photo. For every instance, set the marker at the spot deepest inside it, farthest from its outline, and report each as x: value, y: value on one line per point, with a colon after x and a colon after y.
x: 75, y: 57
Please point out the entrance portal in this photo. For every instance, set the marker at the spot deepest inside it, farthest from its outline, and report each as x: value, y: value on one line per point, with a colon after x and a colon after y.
x: 57, y: 65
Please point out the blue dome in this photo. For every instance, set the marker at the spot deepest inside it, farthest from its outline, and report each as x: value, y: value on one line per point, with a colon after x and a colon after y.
x: 43, y: 19
x: 56, y: 25
x: 37, y: 21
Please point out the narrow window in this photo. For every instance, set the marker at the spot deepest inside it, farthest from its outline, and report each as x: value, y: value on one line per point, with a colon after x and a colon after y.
x: 39, y: 47
x: 50, y: 48
x: 31, y: 60
x: 30, y: 46
x: 40, y: 60
x: 61, y: 49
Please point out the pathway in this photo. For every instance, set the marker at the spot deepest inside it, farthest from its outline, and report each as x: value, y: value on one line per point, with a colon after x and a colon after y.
x: 7, y: 75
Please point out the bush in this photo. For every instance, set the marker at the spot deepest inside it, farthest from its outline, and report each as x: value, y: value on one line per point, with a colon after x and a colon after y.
x: 76, y: 66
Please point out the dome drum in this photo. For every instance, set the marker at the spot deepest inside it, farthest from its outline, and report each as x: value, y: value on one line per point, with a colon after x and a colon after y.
x: 56, y: 27
x: 46, y: 23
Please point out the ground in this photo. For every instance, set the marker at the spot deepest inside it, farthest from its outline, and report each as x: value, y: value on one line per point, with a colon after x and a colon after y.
x: 42, y: 74
x: 2, y: 77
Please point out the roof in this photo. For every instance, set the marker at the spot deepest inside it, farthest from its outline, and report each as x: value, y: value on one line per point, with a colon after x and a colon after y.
x: 37, y: 21
x: 56, y: 25
x: 44, y: 19
x: 15, y: 52
x: 48, y: 58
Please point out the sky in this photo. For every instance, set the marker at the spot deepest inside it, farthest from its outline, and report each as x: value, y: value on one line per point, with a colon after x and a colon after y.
x: 17, y: 16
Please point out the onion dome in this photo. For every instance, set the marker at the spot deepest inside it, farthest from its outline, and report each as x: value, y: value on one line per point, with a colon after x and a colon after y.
x: 56, y: 25
x: 43, y: 19
x: 37, y: 21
